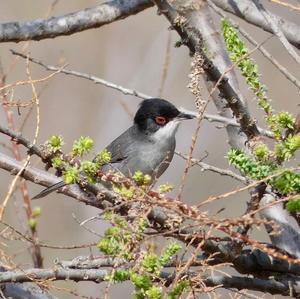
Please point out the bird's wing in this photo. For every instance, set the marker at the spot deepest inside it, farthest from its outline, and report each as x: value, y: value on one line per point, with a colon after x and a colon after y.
x: 121, y: 146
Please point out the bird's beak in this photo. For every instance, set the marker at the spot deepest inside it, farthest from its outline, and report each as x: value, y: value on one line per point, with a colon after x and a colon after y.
x: 186, y: 114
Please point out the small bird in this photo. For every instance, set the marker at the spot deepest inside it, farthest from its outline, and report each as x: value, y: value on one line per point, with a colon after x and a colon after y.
x: 147, y: 146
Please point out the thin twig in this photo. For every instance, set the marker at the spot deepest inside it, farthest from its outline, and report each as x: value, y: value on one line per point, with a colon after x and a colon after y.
x: 207, y: 167
x: 85, y: 76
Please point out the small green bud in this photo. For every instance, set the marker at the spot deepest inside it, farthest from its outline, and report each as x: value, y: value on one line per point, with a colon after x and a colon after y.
x: 71, y: 175
x: 285, y: 120
x: 32, y: 223
x: 102, y: 158
x: 55, y: 142
x: 127, y: 192
x: 178, y: 289
x: 82, y: 146
x: 165, y: 188
x: 154, y: 293
x: 141, y: 179
x: 57, y: 162
x: 262, y: 152
x: 140, y: 281
x: 150, y: 263
x: 90, y: 170
x: 36, y: 212
x: 169, y: 252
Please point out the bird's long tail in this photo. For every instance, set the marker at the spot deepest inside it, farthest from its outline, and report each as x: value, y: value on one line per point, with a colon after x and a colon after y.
x: 50, y: 189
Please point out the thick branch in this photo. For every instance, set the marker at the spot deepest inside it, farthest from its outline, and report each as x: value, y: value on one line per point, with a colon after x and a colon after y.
x: 46, y: 179
x: 18, y: 138
x: 71, y: 23
x: 284, y: 285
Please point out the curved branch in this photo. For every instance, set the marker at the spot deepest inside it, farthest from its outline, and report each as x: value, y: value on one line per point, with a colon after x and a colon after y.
x: 46, y: 179
x: 68, y: 24
x: 17, y: 137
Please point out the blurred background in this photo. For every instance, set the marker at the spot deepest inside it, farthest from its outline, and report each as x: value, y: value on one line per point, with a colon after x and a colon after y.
x: 130, y: 53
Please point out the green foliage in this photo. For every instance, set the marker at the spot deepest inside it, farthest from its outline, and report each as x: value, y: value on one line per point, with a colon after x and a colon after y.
x: 285, y: 120
x: 251, y: 168
x: 32, y: 223
x: 36, y: 212
x: 90, y: 170
x: 112, y: 243
x: 71, y: 175
x: 119, y: 275
x: 178, y: 289
x: 126, y: 192
x: 154, y: 292
x: 102, y: 158
x: 145, y: 274
x: 141, y: 282
x: 165, y: 188
x: 82, y: 146
x: 151, y: 263
x: 141, y: 179
x: 142, y: 224
x: 262, y: 152
x: 57, y: 162
x: 169, y: 252
x: 239, y: 54
x: 287, y: 183
x: 294, y: 205
x: 286, y: 149
x: 119, y: 240
x: 55, y: 143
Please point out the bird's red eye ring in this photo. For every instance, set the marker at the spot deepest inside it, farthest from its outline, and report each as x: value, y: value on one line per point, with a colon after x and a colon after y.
x: 161, y: 120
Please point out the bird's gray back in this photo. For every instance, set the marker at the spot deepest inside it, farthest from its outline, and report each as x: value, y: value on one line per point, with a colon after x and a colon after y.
x: 134, y: 150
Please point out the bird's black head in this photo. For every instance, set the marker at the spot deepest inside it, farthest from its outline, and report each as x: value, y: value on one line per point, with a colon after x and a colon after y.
x: 154, y: 114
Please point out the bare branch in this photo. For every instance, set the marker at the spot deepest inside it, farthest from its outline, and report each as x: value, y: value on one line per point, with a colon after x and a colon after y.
x: 246, y: 10
x: 274, y: 24
x: 46, y: 179
x: 207, y: 167
x: 279, y: 66
x: 96, y: 17
x: 17, y: 137
x: 283, y: 285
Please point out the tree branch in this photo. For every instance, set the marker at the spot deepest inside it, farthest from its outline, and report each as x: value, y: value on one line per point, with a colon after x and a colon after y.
x: 283, y: 285
x: 274, y: 24
x: 246, y: 10
x: 68, y: 24
x: 46, y: 179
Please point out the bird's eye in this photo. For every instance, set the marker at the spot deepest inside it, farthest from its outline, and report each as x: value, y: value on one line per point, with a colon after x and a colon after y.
x: 161, y: 120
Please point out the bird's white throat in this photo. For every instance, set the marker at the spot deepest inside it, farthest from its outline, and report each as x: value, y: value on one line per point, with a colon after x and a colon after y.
x: 167, y: 131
